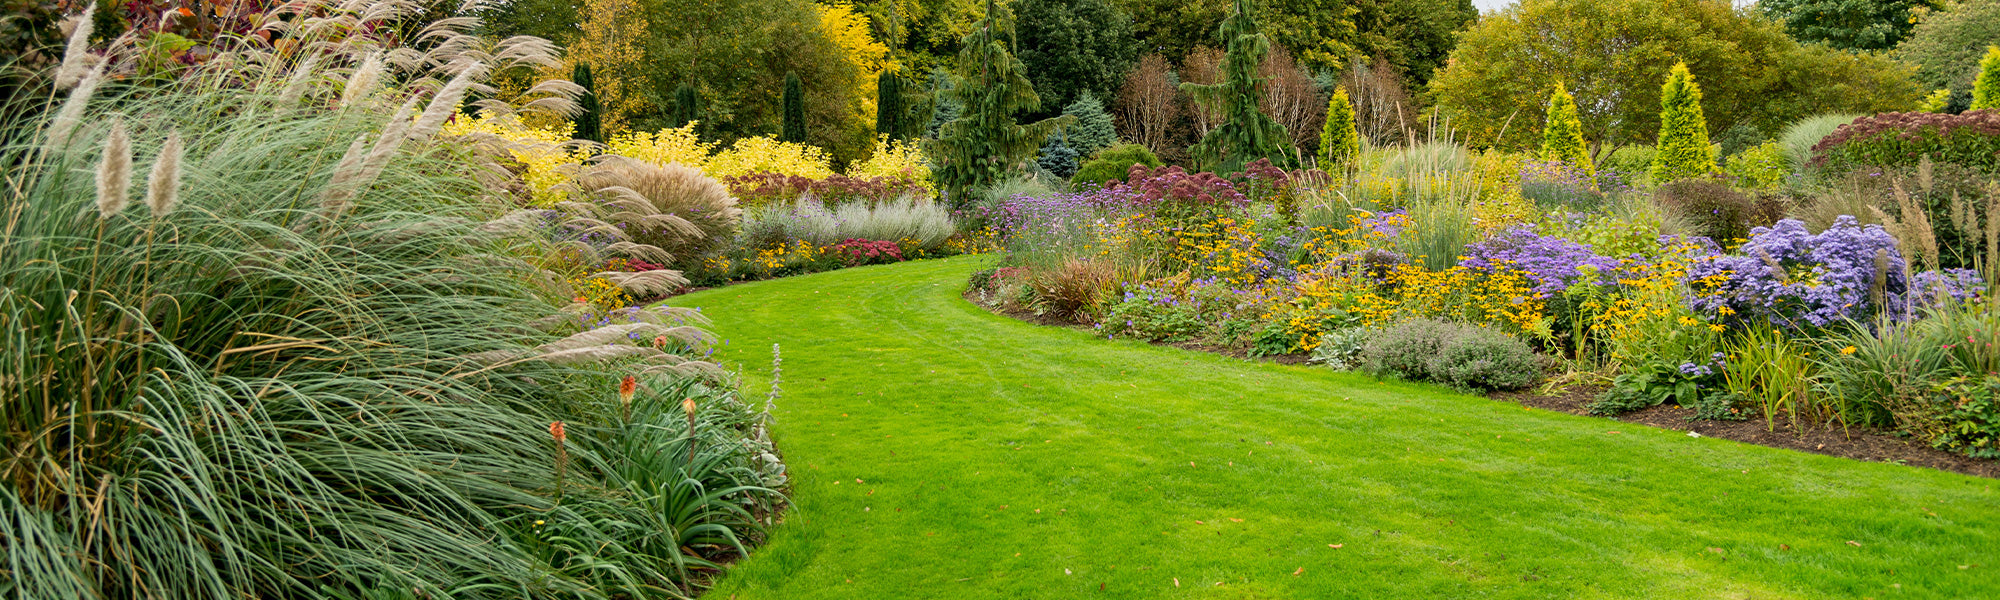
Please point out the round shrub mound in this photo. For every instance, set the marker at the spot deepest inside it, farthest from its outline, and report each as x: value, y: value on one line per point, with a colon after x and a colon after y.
x: 1466, y: 357
x: 1113, y: 163
x: 1903, y: 139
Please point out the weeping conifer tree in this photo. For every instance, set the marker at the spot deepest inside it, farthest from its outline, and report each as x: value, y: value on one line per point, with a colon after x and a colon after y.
x: 686, y: 109
x: 795, y: 110
x: 985, y: 144
x: 1562, y: 136
x: 1246, y: 133
x: 889, y: 110
x: 589, y: 118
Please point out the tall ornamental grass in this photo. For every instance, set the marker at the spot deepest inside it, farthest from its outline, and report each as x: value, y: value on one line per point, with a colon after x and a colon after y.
x: 249, y: 348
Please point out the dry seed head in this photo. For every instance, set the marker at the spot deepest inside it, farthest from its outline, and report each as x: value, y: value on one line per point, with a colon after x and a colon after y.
x: 66, y: 119
x: 76, y: 57
x: 163, y: 184
x: 445, y: 104
x: 362, y: 82
x: 302, y: 75
x: 114, y: 172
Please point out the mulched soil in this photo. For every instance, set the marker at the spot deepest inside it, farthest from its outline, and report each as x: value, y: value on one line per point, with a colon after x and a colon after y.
x: 1867, y: 444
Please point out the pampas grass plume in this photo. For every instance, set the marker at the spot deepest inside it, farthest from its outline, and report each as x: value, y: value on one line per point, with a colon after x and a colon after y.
x: 71, y: 113
x: 445, y: 104
x: 76, y: 57
x: 362, y: 82
x: 114, y: 172
x: 163, y: 184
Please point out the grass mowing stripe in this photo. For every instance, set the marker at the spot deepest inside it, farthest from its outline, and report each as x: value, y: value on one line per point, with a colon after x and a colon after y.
x: 943, y: 452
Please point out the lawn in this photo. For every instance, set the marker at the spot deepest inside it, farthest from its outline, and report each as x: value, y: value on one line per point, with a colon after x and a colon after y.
x: 940, y: 451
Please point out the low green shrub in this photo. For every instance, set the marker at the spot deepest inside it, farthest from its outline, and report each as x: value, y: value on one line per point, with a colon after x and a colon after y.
x: 1113, y: 163
x: 1343, y: 349
x: 1467, y: 357
x: 1633, y: 161
x: 1760, y: 167
x: 1969, y: 416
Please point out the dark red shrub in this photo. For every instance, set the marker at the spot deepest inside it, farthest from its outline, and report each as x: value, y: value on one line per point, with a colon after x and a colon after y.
x: 1903, y: 139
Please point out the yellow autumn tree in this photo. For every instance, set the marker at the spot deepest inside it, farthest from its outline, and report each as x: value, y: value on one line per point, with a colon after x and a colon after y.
x: 613, y: 31
x: 850, y: 31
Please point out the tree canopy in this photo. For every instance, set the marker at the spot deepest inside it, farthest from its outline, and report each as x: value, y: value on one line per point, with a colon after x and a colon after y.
x: 1947, y: 44
x: 1847, y: 24
x: 1074, y: 46
x: 1613, y: 54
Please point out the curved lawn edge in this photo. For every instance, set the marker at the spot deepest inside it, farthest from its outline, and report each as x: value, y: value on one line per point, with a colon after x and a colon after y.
x: 939, y: 450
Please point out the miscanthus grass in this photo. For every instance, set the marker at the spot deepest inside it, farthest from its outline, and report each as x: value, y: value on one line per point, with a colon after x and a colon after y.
x: 237, y: 393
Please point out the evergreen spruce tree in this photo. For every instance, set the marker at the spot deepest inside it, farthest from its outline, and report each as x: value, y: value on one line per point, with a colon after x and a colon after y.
x: 590, y: 115
x: 1683, y: 151
x: 986, y: 144
x: 889, y: 110
x: 794, y: 110
x: 1562, y: 136
x: 945, y: 108
x: 1094, y: 129
x: 1339, y: 140
x: 1986, y: 88
x: 685, y: 108
x: 1246, y: 133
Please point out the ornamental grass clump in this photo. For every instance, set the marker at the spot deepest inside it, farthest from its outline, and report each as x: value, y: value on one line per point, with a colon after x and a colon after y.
x: 242, y: 395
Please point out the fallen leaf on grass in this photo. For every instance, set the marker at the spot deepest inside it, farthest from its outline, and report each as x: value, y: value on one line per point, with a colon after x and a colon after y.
x: 1301, y: 571
x: 1235, y: 520
x: 1614, y: 432
x: 1177, y: 582
x: 1854, y: 543
x: 1336, y: 546
x: 1715, y: 550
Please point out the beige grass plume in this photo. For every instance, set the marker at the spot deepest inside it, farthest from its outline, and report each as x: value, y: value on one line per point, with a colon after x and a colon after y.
x: 163, y: 184
x: 362, y: 82
x: 114, y: 172
x: 301, y: 79
x: 76, y: 58
x: 445, y: 103
x: 66, y: 119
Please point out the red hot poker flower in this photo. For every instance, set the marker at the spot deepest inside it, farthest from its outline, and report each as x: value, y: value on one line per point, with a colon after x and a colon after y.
x: 556, y: 430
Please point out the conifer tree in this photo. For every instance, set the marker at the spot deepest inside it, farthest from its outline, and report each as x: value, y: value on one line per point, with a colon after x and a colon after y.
x: 590, y: 116
x: 794, y: 110
x: 1094, y: 129
x: 1562, y: 136
x: 985, y: 144
x: 1246, y: 133
x: 1683, y: 151
x: 685, y: 107
x: 1986, y: 88
x: 1339, y: 140
x: 889, y: 110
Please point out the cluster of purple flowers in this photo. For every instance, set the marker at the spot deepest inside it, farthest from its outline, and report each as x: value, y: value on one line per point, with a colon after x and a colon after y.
x: 1933, y: 288
x: 1553, y: 263
x: 1789, y: 276
x: 1388, y: 224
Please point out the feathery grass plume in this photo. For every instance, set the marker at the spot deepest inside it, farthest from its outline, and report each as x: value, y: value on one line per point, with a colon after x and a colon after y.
x: 301, y: 79
x: 163, y: 184
x: 1992, y: 232
x: 1878, y: 292
x: 445, y: 103
x: 66, y: 119
x: 1919, y: 224
x: 362, y: 82
x: 76, y: 62
x: 114, y: 172
x: 355, y: 172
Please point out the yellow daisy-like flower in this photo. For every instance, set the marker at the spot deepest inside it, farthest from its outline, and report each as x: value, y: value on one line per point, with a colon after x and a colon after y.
x: 1848, y: 350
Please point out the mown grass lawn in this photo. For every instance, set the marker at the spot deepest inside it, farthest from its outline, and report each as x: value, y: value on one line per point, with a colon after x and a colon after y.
x: 943, y: 452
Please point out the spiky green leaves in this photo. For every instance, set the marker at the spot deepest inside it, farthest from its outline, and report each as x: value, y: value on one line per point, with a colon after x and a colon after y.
x: 1339, y: 140
x: 1246, y: 133
x: 1562, y: 136
x: 1683, y: 150
x: 1986, y: 89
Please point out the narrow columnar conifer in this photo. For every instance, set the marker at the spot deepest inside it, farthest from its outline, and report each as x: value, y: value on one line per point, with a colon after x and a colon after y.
x: 1683, y: 151
x: 687, y: 105
x: 1562, y: 137
x: 889, y: 110
x: 590, y: 116
x: 1986, y: 89
x: 1246, y: 133
x: 1339, y: 140
x: 795, y: 110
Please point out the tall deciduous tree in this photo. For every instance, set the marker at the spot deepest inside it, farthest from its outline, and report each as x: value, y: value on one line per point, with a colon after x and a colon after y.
x: 1320, y: 33
x: 1416, y: 36
x: 1339, y: 141
x: 1683, y: 151
x: 1246, y: 133
x: 1074, y: 46
x: 611, y: 41
x: 1562, y: 134
x: 1947, y: 44
x: 794, y: 110
x: 1149, y: 104
x: 984, y: 145
x: 1847, y: 24
x: 1614, y: 53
